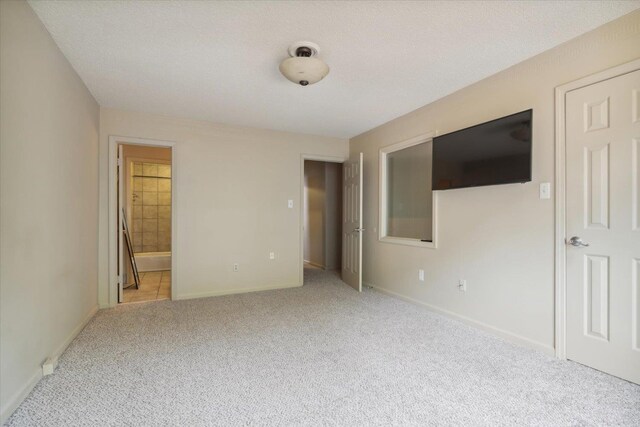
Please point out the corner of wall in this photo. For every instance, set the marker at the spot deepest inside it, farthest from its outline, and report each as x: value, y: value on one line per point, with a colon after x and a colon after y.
x: 14, y: 401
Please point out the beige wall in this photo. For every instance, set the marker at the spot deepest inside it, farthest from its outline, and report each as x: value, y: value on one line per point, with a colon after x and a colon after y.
x: 314, y: 250
x: 333, y: 215
x: 499, y: 238
x: 49, y: 201
x: 147, y: 153
x: 323, y: 214
x: 232, y: 187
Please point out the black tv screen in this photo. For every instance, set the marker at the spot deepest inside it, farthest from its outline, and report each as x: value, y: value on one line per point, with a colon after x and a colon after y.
x: 495, y: 152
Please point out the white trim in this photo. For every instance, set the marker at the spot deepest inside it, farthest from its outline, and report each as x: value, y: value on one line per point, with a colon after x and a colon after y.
x: 58, y: 352
x: 506, y: 335
x: 560, y: 190
x: 119, y: 222
x: 360, y: 205
x: 14, y: 401
x: 235, y: 291
x: 319, y: 158
x: 382, y: 193
x: 114, y: 140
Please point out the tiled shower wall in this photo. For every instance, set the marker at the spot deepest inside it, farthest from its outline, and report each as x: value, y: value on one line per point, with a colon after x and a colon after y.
x: 151, y: 225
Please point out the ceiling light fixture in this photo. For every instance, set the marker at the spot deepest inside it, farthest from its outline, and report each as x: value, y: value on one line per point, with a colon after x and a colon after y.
x: 303, y: 67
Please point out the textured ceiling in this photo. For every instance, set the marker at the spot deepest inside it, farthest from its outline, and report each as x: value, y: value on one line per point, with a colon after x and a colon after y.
x: 218, y: 61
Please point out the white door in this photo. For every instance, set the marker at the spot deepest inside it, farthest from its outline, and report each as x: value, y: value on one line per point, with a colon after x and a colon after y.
x: 120, y: 178
x: 352, y: 223
x: 603, y: 226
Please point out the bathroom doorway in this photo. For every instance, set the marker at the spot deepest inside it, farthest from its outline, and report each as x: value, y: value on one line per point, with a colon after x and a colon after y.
x: 322, y: 215
x: 145, y: 196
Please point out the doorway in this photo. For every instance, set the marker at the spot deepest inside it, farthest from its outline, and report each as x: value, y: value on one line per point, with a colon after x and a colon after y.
x: 322, y: 215
x: 350, y: 216
x: 146, y: 214
x: 142, y: 218
x: 599, y: 222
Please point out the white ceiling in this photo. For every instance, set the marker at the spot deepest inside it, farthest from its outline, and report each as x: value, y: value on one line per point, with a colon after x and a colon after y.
x: 218, y: 61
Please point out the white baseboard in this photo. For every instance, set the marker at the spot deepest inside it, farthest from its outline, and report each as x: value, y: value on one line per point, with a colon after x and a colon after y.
x: 509, y: 336
x: 234, y: 291
x: 15, y: 400
x: 62, y: 347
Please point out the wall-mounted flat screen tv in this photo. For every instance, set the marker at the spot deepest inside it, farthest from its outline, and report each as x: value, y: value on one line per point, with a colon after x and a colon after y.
x: 495, y: 152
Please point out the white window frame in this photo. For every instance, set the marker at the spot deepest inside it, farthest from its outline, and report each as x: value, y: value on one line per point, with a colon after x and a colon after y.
x: 382, y: 187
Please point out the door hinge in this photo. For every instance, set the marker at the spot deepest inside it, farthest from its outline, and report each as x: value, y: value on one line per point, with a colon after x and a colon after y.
x: 119, y: 162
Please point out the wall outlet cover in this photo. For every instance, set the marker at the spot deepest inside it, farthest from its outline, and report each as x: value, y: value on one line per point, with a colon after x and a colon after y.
x: 545, y: 190
x: 48, y: 367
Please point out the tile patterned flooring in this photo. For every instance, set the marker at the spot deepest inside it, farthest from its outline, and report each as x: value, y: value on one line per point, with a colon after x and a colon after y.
x: 154, y: 285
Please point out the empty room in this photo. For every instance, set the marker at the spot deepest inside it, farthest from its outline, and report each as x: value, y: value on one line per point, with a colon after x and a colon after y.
x: 342, y: 213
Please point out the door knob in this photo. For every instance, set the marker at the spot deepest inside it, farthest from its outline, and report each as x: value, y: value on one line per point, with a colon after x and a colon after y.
x: 577, y: 241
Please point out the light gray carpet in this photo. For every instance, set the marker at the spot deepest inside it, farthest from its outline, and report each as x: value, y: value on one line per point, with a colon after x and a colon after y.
x: 317, y: 355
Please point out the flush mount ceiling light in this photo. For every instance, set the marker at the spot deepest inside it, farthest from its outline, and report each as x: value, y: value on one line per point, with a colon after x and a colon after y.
x: 303, y: 67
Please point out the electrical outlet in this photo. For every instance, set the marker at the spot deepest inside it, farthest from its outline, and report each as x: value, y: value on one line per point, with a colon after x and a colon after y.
x: 545, y: 190
x: 272, y: 255
x: 236, y: 267
x: 421, y: 275
x: 462, y: 285
x: 48, y: 366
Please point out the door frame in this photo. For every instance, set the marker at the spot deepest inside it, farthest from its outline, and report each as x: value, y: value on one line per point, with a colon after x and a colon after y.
x: 560, y: 198
x: 114, y: 141
x: 318, y: 158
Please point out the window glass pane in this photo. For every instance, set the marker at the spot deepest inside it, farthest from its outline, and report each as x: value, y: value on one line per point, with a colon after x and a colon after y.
x: 409, y: 199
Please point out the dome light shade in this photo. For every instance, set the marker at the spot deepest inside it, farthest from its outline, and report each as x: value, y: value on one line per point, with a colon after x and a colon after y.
x: 304, y: 68
x: 300, y: 70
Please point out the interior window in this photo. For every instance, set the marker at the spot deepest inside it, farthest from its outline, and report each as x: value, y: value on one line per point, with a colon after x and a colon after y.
x: 407, y: 195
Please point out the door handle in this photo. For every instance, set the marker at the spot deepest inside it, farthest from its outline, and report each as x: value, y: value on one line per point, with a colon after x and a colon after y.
x: 357, y: 230
x: 577, y: 242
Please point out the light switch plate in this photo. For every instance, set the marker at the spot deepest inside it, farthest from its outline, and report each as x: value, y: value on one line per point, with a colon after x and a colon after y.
x: 545, y: 190
x: 290, y: 204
